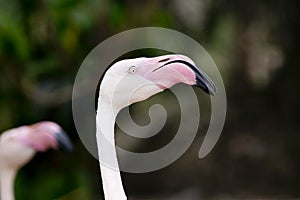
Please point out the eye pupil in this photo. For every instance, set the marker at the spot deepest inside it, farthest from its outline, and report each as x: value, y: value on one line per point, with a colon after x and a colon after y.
x: 132, y: 69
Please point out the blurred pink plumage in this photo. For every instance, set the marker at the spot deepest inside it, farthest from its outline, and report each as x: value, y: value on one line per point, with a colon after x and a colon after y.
x: 19, y: 145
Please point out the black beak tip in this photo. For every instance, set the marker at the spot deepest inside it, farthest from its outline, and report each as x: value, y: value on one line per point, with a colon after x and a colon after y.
x: 64, y: 142
x: 209, y: 88
x: 211, y: 91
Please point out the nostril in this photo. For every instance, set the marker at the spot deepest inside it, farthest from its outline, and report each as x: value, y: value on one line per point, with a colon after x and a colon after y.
x: 165, y: 59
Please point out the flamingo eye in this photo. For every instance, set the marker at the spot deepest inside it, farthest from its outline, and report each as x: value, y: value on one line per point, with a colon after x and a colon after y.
x: 132, y: 70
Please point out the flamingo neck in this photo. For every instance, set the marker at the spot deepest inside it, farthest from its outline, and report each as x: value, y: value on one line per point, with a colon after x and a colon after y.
x: 110, y: 172
x: 7, y: 177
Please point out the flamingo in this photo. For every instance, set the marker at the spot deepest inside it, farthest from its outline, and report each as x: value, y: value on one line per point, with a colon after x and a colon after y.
x: 129, y: 81
x: 19, y: 145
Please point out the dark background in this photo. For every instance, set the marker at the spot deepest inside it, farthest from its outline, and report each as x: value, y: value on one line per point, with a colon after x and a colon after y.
x: 255, y: 45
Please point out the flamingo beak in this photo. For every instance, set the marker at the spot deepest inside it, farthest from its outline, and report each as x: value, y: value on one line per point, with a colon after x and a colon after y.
x: 204, y: 82
x: 64, y: 143
x: 202, y: 79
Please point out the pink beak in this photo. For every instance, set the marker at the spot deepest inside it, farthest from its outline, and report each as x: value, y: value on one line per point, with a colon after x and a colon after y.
x: 168, y: 70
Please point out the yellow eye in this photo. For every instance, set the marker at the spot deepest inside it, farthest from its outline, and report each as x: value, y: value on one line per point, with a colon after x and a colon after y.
x: 132, y: 70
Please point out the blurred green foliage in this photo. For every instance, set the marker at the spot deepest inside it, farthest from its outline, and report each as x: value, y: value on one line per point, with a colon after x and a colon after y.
x: 254, y: 44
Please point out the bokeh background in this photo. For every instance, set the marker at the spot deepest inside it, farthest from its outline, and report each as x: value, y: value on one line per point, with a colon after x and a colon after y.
x: 255, y: 44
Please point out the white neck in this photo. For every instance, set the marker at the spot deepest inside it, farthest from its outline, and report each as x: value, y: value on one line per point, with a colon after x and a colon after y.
x: 111, y: 178
x: 7, y: 177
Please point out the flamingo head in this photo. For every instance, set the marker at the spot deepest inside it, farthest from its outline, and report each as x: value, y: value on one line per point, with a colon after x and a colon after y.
x: 134, y: 80
x: 19, y: 145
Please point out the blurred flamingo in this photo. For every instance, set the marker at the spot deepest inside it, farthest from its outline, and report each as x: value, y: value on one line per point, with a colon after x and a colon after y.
x: 19, y: 145
x: 129, y: 81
